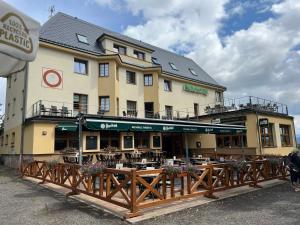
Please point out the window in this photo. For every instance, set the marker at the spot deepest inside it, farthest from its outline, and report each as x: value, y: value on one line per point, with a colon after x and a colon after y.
x: 109, y: 138
x: 131, y: 108
x: 141, y: 140
x: 219, y: 96
x: 192, y: 71
x: 173, y: 66
x: 130, y: 77
x: 128, y: 142
x: 82, y: 39
x: 196, y: 109
x: 118, y: 107
x: 6, y: 139
x: 13, y: 137
x: 120, y: 49
x: 267, y: 136
x: 154, y: 60
x: 91, y: 142
x: 148, y: 80
x: 104, y: 69
x: 139, y: 55
x: 228, y: 141
x: 65, y: 139
x: 14, y: 107
x: 80, y: 103
x: 80, y: 66
x: 156, y: 141
x: 167, y: 85
x: 2, y: 141
x: 104, y: 103
x: 169, y: 111
x: 285, y: 135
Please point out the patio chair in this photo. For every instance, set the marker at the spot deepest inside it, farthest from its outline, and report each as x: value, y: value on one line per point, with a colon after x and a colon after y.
x: 54, y: 110
x: 43, y: 110
x: 64, y: 111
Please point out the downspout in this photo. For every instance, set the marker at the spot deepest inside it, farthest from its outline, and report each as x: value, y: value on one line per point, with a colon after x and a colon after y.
x: 258, y: 133
x: 80, y: 118
x: 24, y: 110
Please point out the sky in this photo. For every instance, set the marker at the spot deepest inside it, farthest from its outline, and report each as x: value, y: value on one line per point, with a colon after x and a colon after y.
x: 250, y: 46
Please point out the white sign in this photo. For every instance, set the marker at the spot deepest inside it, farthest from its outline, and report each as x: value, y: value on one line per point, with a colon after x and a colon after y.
x: 19, y: 39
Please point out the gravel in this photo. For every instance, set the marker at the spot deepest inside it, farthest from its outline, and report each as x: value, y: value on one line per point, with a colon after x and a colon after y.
x: 22, y: 202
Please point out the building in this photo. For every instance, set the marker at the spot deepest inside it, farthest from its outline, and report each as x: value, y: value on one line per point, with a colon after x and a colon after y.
x: 82, y: 68
x: 131, y: 95
x: 270, y: 128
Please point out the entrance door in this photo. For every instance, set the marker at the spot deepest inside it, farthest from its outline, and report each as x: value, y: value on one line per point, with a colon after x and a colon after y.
x: 173, y: 144
x: 149, y: 110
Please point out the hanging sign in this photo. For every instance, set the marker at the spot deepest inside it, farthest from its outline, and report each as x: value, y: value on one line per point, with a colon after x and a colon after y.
x: 19, y: 39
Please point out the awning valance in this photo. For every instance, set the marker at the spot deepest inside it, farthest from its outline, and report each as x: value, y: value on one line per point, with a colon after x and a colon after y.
x: 160, y: 126
x: 67, y: 127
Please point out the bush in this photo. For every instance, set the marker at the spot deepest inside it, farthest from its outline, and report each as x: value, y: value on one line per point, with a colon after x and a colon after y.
x: 237, y: 165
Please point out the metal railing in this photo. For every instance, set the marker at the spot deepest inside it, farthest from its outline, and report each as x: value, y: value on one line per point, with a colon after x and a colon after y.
x: 247, y: 102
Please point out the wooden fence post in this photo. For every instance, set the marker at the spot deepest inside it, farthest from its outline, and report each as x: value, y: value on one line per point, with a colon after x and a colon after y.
x: 134, y: 208
x: 210, y: 183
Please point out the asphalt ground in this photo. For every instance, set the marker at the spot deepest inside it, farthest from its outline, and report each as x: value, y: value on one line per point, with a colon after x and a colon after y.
x: 23, y: 202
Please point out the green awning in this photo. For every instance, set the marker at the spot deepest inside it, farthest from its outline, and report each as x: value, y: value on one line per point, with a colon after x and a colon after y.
x: 67, y: 127
x: 160, y: 126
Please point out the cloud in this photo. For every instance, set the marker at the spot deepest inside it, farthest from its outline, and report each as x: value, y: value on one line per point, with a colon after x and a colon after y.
x: 259, y: 60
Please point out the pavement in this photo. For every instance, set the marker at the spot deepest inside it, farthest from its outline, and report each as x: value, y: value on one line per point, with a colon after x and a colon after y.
x: 25, y: 202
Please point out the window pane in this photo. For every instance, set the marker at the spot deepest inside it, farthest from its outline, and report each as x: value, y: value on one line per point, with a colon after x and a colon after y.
x: 104, y: 104
x: 91, y: 142
x: 104, y: 71
x: 156, y: 141
x: 130, y: 77
x: 128, y: 142
x: 148, y: 80
x: 80, y: 66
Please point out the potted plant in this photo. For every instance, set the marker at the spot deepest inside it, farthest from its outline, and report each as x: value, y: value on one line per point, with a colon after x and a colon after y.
x: 172, y: 171
x: 93, y: 169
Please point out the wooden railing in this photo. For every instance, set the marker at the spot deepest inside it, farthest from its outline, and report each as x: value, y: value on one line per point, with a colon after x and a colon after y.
x: 137, y: 189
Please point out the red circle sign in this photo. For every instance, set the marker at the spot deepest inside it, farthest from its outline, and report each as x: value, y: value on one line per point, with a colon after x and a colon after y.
x: 52, y: 78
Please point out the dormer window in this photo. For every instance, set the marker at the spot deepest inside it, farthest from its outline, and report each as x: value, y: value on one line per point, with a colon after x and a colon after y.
x: 173, y: 66
x: 139, y: 55
x: 82, y: 39
x: 154, y: 60
x: 193, y: 72
x: 120, y: 49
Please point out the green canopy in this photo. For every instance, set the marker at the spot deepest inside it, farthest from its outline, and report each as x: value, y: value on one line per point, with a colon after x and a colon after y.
x: 67, y: 127
x: 160, y: 126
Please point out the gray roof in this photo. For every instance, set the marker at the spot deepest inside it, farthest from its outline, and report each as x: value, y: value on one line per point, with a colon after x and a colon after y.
x: 61, y: 29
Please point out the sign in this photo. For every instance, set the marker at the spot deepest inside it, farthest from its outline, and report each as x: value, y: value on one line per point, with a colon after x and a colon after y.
x: 195, y: 89
x: 52, y: 78
x: 94, y: 124
x: 264, y: 122
x: 19, y: 39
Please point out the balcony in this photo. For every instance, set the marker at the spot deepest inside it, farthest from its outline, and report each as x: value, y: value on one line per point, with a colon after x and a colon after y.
x: 248, y: 102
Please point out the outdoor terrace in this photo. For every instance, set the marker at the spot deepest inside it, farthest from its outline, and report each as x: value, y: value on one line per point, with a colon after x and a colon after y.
x: 247, y: 102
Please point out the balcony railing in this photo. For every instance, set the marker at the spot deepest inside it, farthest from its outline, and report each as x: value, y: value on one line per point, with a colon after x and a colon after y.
x: 248, y: 102
x: 63, y: 109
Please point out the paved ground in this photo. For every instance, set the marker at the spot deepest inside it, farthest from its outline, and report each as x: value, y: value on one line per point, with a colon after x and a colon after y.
x: 22, y: 202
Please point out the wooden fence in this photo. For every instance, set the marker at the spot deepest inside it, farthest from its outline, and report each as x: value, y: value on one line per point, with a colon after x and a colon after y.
x: 137, y: 189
